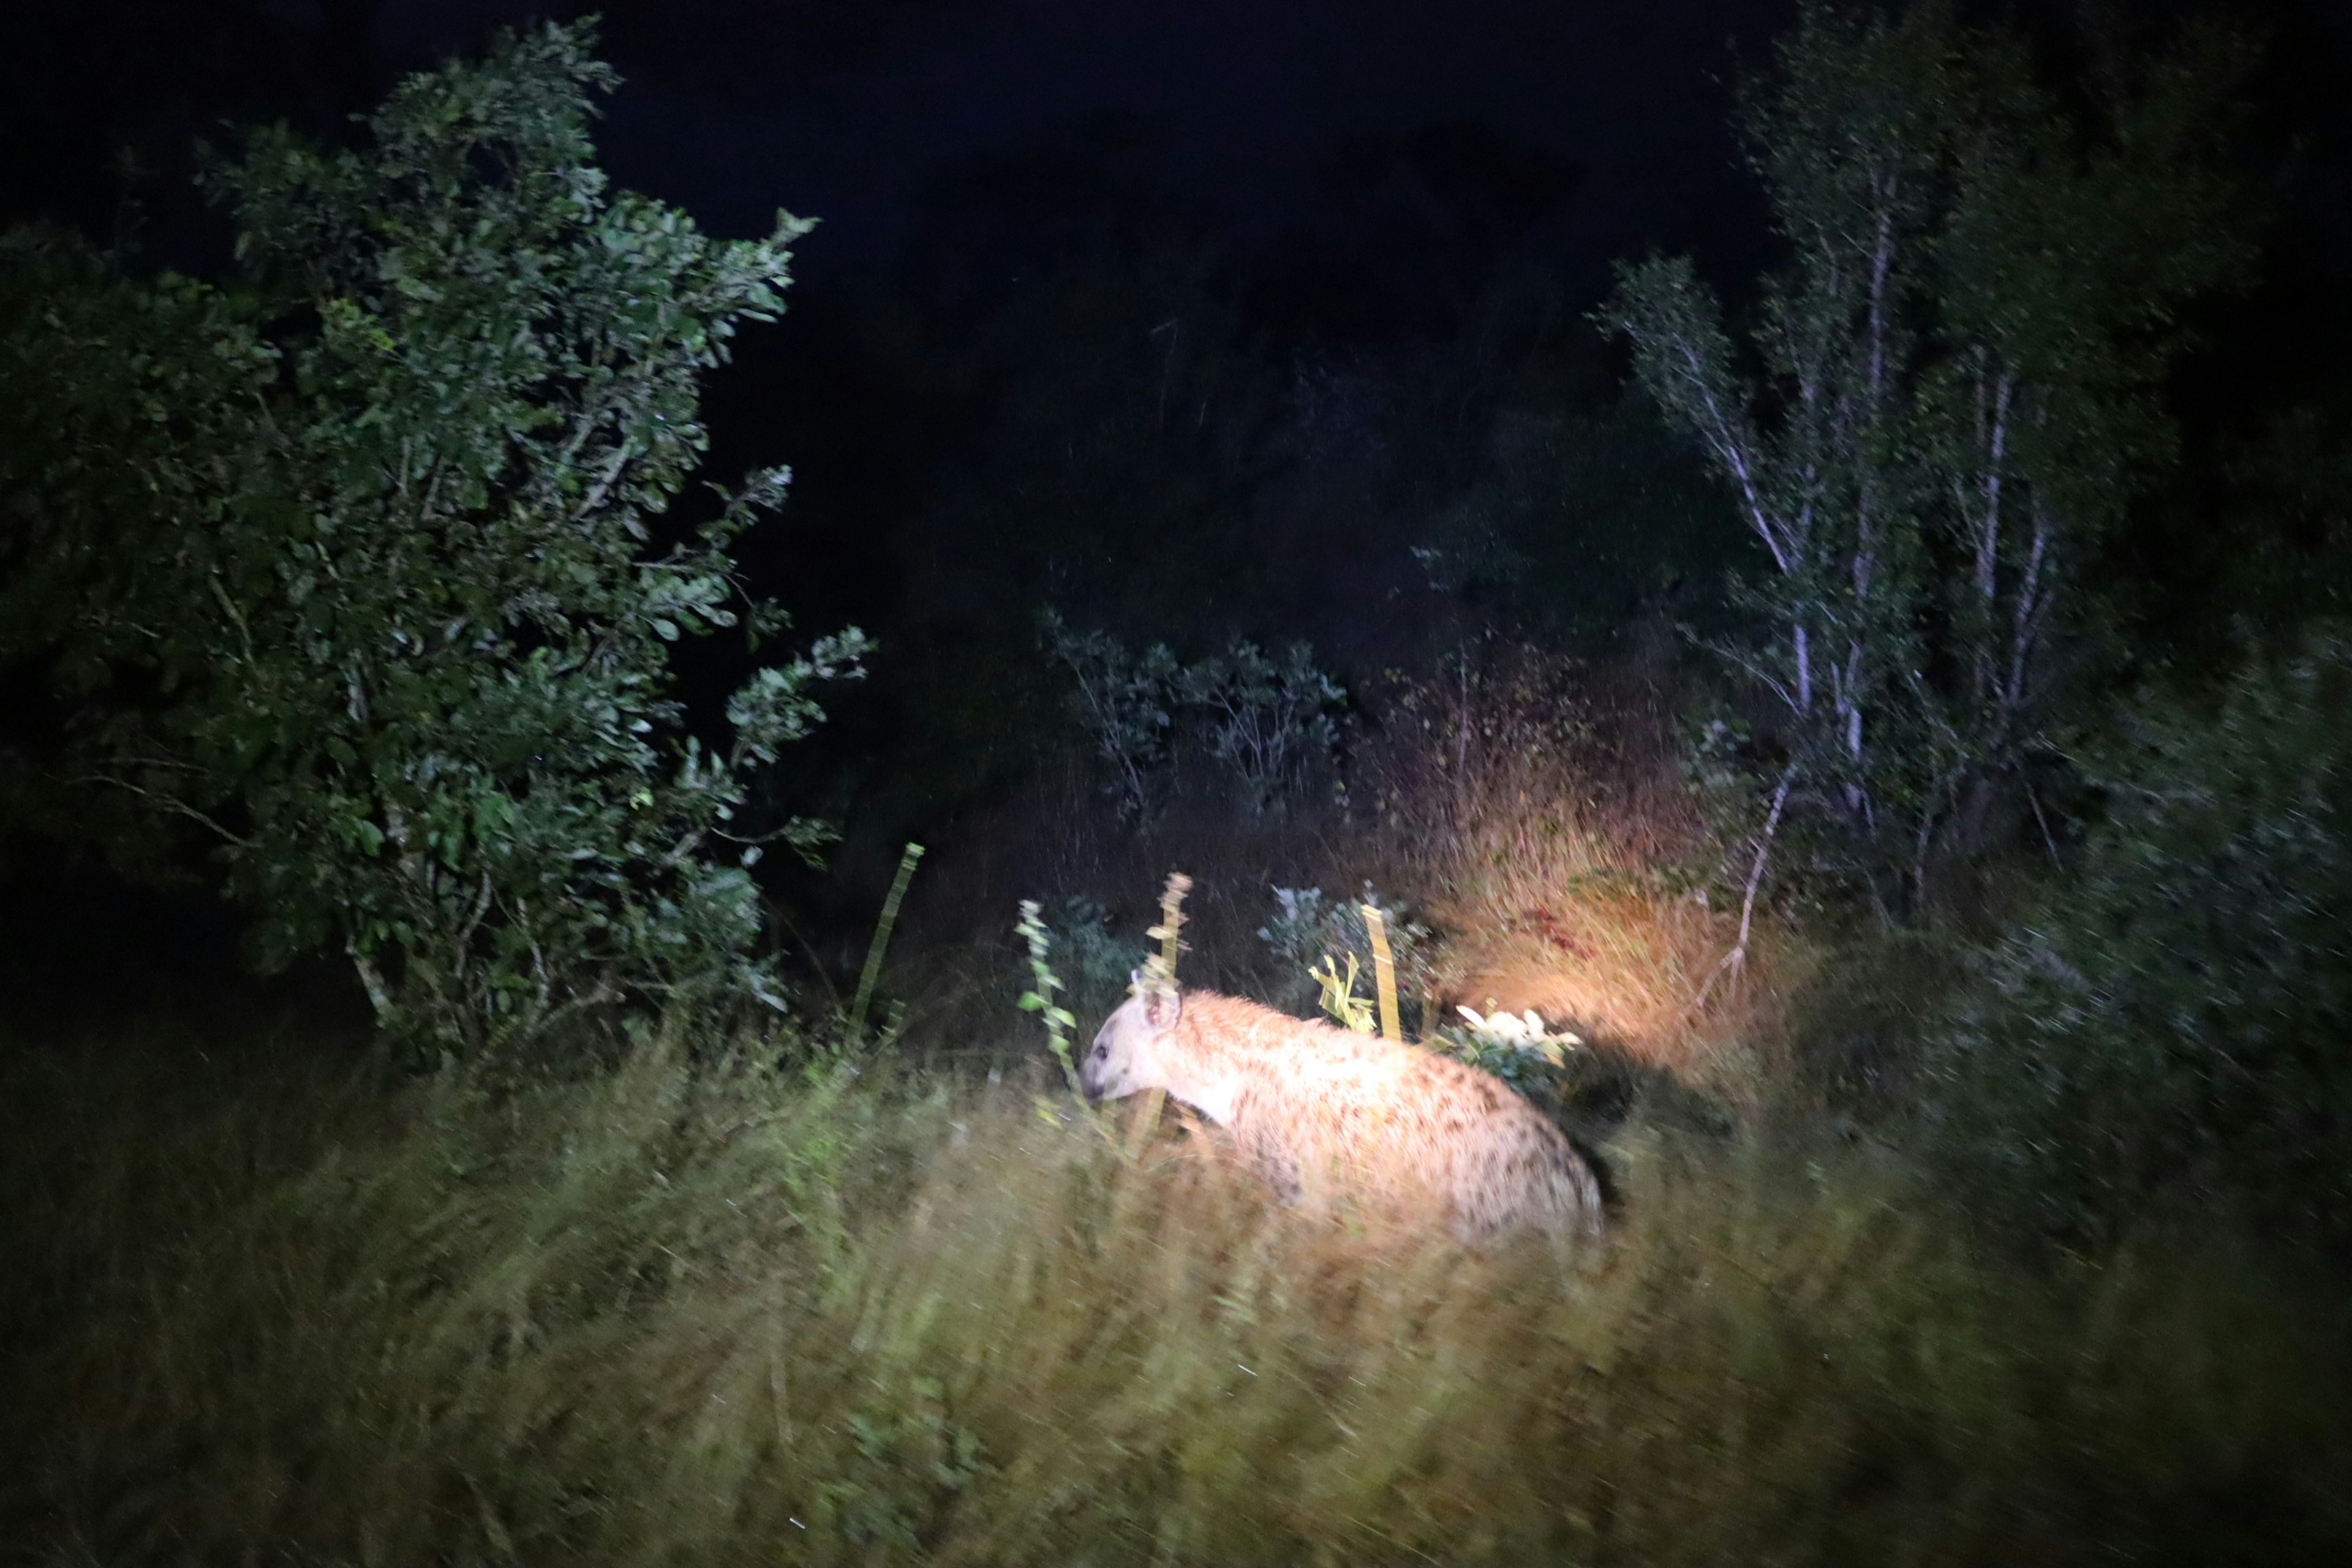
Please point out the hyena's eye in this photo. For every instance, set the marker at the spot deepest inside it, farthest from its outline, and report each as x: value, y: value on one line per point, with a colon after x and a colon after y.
x: 1101, y: 1051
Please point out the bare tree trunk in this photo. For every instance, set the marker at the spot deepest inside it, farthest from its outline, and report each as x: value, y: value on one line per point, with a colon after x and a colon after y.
x: 379, y: 994
x: 1993, y: 432
x: 2026, y: 625
x: 1737, y: 959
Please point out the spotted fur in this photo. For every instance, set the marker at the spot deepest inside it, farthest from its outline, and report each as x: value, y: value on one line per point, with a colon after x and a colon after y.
x: 1328, y: 1116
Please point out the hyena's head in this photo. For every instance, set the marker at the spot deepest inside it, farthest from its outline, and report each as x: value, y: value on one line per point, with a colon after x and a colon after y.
x: 1130, y: 1051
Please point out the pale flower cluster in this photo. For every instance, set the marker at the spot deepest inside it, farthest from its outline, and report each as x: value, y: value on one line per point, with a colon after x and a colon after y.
x: 1524, y: 1032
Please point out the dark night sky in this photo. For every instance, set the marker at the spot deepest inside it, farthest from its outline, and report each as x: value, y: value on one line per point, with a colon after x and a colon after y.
x: 1573, y: 131
x: 1423, y: 137
x: 1265, y: 124
x: 1363, y: 170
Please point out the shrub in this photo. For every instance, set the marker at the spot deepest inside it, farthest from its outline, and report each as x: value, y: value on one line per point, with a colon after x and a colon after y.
x: 1522, y: 1050
x: 1125, y: 700
x: 1101, y: 964
x: 2174, y: 1014
x: 1264, y: 719
x: 384, y: 606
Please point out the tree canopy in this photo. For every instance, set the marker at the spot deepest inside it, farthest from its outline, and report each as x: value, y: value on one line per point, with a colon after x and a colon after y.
x: 1952, y: 396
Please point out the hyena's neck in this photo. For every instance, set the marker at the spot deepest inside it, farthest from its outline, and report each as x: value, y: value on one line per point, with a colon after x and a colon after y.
x: 1211, y: 1087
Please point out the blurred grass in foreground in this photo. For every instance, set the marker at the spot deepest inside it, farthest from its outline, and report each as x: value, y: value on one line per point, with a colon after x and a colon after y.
x: 273, y: 1311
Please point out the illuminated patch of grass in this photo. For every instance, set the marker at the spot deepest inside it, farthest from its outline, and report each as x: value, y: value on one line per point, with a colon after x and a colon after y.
x: 723, y: 1315
x: 1548, y: 832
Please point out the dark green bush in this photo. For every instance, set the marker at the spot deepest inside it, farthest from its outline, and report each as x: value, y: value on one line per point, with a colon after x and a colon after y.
x: 360, y: 569
x: 2171, y: 1019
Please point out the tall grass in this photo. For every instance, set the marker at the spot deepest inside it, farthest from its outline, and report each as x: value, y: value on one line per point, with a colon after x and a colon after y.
x: 719, y: 1312
x: 1535, y: 804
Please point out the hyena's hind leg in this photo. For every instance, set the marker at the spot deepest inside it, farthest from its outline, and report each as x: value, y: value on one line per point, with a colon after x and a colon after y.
x: 1545, y: 1185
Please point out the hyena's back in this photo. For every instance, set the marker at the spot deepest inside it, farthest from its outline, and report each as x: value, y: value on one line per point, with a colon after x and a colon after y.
x: 1330, y: 1114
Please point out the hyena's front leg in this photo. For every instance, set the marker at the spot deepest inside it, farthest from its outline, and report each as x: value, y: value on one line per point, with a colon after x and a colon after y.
x: 1262, y: 1144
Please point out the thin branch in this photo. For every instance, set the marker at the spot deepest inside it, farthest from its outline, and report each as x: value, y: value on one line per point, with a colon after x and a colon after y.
x: 602, y: 995
x: 1882, y: 263
x: 2028, y: 624
x: 168, y: 803
x: 379, y: 994
x: 1734, y: 456
x: 1737, y: 959
x: 235, y: 616
x: 2034, y: 798
x: 604, y: 482
x: 1759, y: 673
x: 463, y: 947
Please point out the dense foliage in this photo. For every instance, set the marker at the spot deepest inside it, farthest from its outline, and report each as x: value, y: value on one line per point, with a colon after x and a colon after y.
x: 1955, y: 398
x: 361, y: 563
x: 2173, y: 1017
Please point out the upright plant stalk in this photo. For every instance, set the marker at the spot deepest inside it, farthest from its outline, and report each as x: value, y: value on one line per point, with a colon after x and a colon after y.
x: 881, y: 942
x: 1383, y: 973
x: 1058, y: 1020
x: 1159, y: 975
x: 1039, y: 998
x: 1159, y: 969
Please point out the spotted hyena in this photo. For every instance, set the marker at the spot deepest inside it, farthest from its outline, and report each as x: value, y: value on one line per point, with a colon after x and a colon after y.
x: 1326, y: 1114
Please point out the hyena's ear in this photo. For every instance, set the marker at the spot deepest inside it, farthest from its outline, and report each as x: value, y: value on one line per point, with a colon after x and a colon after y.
x: 1163, y: 1006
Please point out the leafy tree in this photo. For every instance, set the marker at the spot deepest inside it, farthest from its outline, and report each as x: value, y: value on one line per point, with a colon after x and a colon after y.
x: 362, y: 565
x: 1955, y: 396
x: 2175, y: 1014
